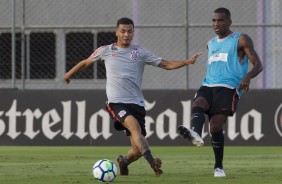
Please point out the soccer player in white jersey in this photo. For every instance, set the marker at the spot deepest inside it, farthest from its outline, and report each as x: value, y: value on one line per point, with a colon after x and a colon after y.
x: 226, y: 79
x: 124, y: 64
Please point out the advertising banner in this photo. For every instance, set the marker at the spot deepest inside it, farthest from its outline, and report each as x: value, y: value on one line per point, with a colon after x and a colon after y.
x: 79, y: 117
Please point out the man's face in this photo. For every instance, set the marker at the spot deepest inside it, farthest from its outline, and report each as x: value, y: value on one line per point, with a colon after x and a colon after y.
x: 221, y: 24
x: 124, y: 35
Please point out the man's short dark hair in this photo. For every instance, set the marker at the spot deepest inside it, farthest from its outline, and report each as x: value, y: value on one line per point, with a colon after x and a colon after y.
x: 223, y: 10
x: 126, y: 21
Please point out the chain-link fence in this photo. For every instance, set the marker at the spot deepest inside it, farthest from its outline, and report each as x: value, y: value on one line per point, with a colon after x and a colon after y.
x: 42, y: 39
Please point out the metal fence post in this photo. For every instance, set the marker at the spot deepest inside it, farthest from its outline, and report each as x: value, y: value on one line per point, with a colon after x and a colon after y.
x: 13, y: 44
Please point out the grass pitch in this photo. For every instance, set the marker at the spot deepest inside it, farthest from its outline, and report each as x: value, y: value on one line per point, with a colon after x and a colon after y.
x: 73, y: 165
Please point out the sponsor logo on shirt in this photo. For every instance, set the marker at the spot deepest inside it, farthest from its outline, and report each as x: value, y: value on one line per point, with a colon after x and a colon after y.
x: 218, y: 57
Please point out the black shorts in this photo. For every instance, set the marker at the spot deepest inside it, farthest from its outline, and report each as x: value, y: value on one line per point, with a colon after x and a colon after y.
x: 119, y: 111
x: 221, y: 100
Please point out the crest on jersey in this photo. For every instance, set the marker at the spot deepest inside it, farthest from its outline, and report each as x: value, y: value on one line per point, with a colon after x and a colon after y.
x: 134, y: 55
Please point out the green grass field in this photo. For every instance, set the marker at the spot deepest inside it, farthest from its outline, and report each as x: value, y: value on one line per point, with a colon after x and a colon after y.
x: 65, y: 165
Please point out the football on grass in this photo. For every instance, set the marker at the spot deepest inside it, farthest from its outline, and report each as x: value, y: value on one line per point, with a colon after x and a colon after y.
x: 104, y: 170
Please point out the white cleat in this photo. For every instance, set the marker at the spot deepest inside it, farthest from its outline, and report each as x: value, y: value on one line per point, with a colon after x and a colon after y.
x: 219, y: 172
x: 190, y: 135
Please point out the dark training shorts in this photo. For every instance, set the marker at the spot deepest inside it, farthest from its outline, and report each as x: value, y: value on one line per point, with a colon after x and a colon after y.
x: 119, y: 111
x: 221, y: 100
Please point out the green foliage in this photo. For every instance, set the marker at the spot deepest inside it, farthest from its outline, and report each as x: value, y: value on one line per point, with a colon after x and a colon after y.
x: 73, y: 165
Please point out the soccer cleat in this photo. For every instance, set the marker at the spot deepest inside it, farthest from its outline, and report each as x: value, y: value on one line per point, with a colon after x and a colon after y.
x: 219, y: 172
x: 123, y: 169
x: 190, y: 135
x: 156, y: 166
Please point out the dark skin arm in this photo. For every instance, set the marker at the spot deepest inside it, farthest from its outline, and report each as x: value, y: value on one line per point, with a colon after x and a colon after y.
x: 246, y: 47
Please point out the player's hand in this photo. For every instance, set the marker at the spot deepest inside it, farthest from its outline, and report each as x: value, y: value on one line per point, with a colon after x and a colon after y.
x: 193, y: 59
x: 66, y: 78
x: 244, y: 84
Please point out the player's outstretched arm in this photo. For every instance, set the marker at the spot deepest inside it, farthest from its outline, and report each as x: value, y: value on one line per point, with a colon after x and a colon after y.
x: 172, y: 64
x: 80, y: 66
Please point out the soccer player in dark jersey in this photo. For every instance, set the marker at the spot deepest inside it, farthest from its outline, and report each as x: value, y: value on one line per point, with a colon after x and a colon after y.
x: 226, y: 79
x: 124, y: 64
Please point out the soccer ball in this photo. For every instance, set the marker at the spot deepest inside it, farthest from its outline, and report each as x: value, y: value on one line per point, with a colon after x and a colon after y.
x: 104, y: 170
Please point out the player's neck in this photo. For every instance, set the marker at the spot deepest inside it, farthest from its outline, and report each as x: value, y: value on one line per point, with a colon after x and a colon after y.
x: 222, y: 37
x: 123, y: 45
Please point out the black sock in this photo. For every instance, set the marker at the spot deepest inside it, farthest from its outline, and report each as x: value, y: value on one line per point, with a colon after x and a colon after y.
x: 148, y: 156
x: 218, y: 148
x: 198, y: 119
